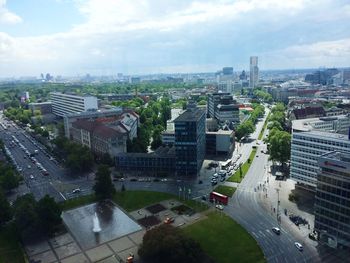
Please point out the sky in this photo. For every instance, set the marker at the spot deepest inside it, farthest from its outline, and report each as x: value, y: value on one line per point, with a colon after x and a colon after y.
x: 105, y: 37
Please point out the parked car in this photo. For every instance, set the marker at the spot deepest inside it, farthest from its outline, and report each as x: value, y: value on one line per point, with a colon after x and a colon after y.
x: 169, y: 220
x: 220, y: 207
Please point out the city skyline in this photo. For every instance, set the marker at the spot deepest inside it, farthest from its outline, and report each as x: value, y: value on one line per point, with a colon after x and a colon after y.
x: 146, y: 37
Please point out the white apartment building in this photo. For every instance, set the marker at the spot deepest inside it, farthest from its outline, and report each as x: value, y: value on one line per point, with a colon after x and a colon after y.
x: 306, y: 148
x: 63, y: 103
x: 338, y: 124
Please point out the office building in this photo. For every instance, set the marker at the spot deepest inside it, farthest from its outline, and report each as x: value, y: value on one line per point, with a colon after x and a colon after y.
x: 254, y: 72
x: 99, y: 137
x: 332, y: 204
x: 190, y: 142
x: 160, y: 162
x: 222, y: 107
x: 307, y: 146
x: 227, y: 70
x: 220, y: 142
x: 63, y: 103
x: 43, y: 107
x: 128, y: 118
x: 335, y: 124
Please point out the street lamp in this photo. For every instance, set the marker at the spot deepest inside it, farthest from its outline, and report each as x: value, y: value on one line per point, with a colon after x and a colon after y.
x: 278, y: 203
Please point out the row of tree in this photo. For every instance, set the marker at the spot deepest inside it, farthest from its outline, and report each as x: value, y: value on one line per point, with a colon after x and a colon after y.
x: 279, y: 140
x: 248, y: 127
x: 32, y: 218
x: 263, y: 95
x: 78, y: 158
x: 153, y: 121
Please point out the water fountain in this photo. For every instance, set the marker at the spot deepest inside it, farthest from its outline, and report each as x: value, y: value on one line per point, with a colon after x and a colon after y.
x: 97, y: 228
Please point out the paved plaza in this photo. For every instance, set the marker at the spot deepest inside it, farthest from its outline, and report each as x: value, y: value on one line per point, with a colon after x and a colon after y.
x: 67, y: 248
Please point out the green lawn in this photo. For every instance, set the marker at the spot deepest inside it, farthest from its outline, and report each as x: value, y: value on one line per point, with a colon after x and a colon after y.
x: 237, y: 177
x: 133, y: 200
x: 79, y: 201
x: 224, y: 240
x: 225, y: 190
x: 264, y: 127
x: 10, y: 248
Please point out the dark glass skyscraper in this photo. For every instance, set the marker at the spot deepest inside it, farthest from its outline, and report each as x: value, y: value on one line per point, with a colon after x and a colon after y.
x: 332, y: 205
x: 190, y: 142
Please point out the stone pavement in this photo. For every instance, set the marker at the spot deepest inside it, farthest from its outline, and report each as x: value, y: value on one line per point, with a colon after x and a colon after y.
x: 65, y: 248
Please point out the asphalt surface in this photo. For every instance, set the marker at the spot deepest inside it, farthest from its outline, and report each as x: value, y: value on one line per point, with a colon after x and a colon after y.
x: 35, y: 181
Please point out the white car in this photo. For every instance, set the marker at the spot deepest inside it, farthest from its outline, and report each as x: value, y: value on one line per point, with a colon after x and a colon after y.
x: 31, y: 176
x: 75, y: 191
x: 220, y: 207
x: 298, y: 246
x: 276, y: 230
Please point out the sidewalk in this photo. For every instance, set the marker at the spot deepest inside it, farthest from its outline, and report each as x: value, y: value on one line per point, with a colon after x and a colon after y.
x: 280, y: 190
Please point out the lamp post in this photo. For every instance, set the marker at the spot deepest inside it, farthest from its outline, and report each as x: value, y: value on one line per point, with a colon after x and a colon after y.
x: 278, y: 203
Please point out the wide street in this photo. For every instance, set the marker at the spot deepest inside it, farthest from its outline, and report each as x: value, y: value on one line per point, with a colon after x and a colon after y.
x: 247, y: 206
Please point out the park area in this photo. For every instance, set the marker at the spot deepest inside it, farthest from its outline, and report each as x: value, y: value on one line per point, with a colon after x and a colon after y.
x: 224, y: 240
x: 219, y: 236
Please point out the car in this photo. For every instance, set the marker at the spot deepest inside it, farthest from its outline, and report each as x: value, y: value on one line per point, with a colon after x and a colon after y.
x: 220, y: 207
x: 31, y: 176
x: 75, y: 191
x: 215, y: 176
x: 262, y: 151
x: 169, y: 220
x: 276, y: 230
x: 298, y: 246
x: 214, y: 181
x: 29, y: 166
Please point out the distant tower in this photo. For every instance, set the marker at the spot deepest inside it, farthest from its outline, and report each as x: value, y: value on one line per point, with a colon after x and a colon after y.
x: 254, y: 72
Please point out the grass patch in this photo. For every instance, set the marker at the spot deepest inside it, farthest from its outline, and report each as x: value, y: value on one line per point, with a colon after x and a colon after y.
x: 264, y: 127
x: 225, y: 190
x: 79, y: 201
x: 224, y: 240
x: 10, y: 248
x: 237, y: 176
x: 133, y: 200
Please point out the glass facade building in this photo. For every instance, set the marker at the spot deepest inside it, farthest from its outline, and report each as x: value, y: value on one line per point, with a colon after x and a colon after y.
x: 190, y: 142
x: 332, y: 205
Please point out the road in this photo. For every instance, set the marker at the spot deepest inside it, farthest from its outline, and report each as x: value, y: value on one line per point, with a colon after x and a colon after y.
x: 34, y: 179
x: 247, y: 209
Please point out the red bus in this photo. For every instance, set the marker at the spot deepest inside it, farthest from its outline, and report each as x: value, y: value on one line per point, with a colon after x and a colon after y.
x: 219, y: 198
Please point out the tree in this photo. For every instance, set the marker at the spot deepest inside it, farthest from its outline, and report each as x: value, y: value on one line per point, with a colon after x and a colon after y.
x: 280, y: 144
x: 5, y: 209
x: 49, y: 213
x: 103, y: 187
x: 156, y: 139
x: 166, y: 243
x: 107, y: 159
x: 26, y: 216
x: 8, y: 179
x: 244, y: 129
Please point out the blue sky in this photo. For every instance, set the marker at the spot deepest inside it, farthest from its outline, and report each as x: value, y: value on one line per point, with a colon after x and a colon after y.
x: 71, y: 37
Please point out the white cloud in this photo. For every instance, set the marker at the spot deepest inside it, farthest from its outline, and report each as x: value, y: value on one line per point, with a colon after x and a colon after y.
x: 325, y: 53
x: 149, y: 35
x: 7, y: 17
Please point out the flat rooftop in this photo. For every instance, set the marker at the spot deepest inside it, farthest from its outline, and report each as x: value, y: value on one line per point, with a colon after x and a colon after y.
x: 332, y: 135
x: 190, y: 115
x: 305, y: 124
